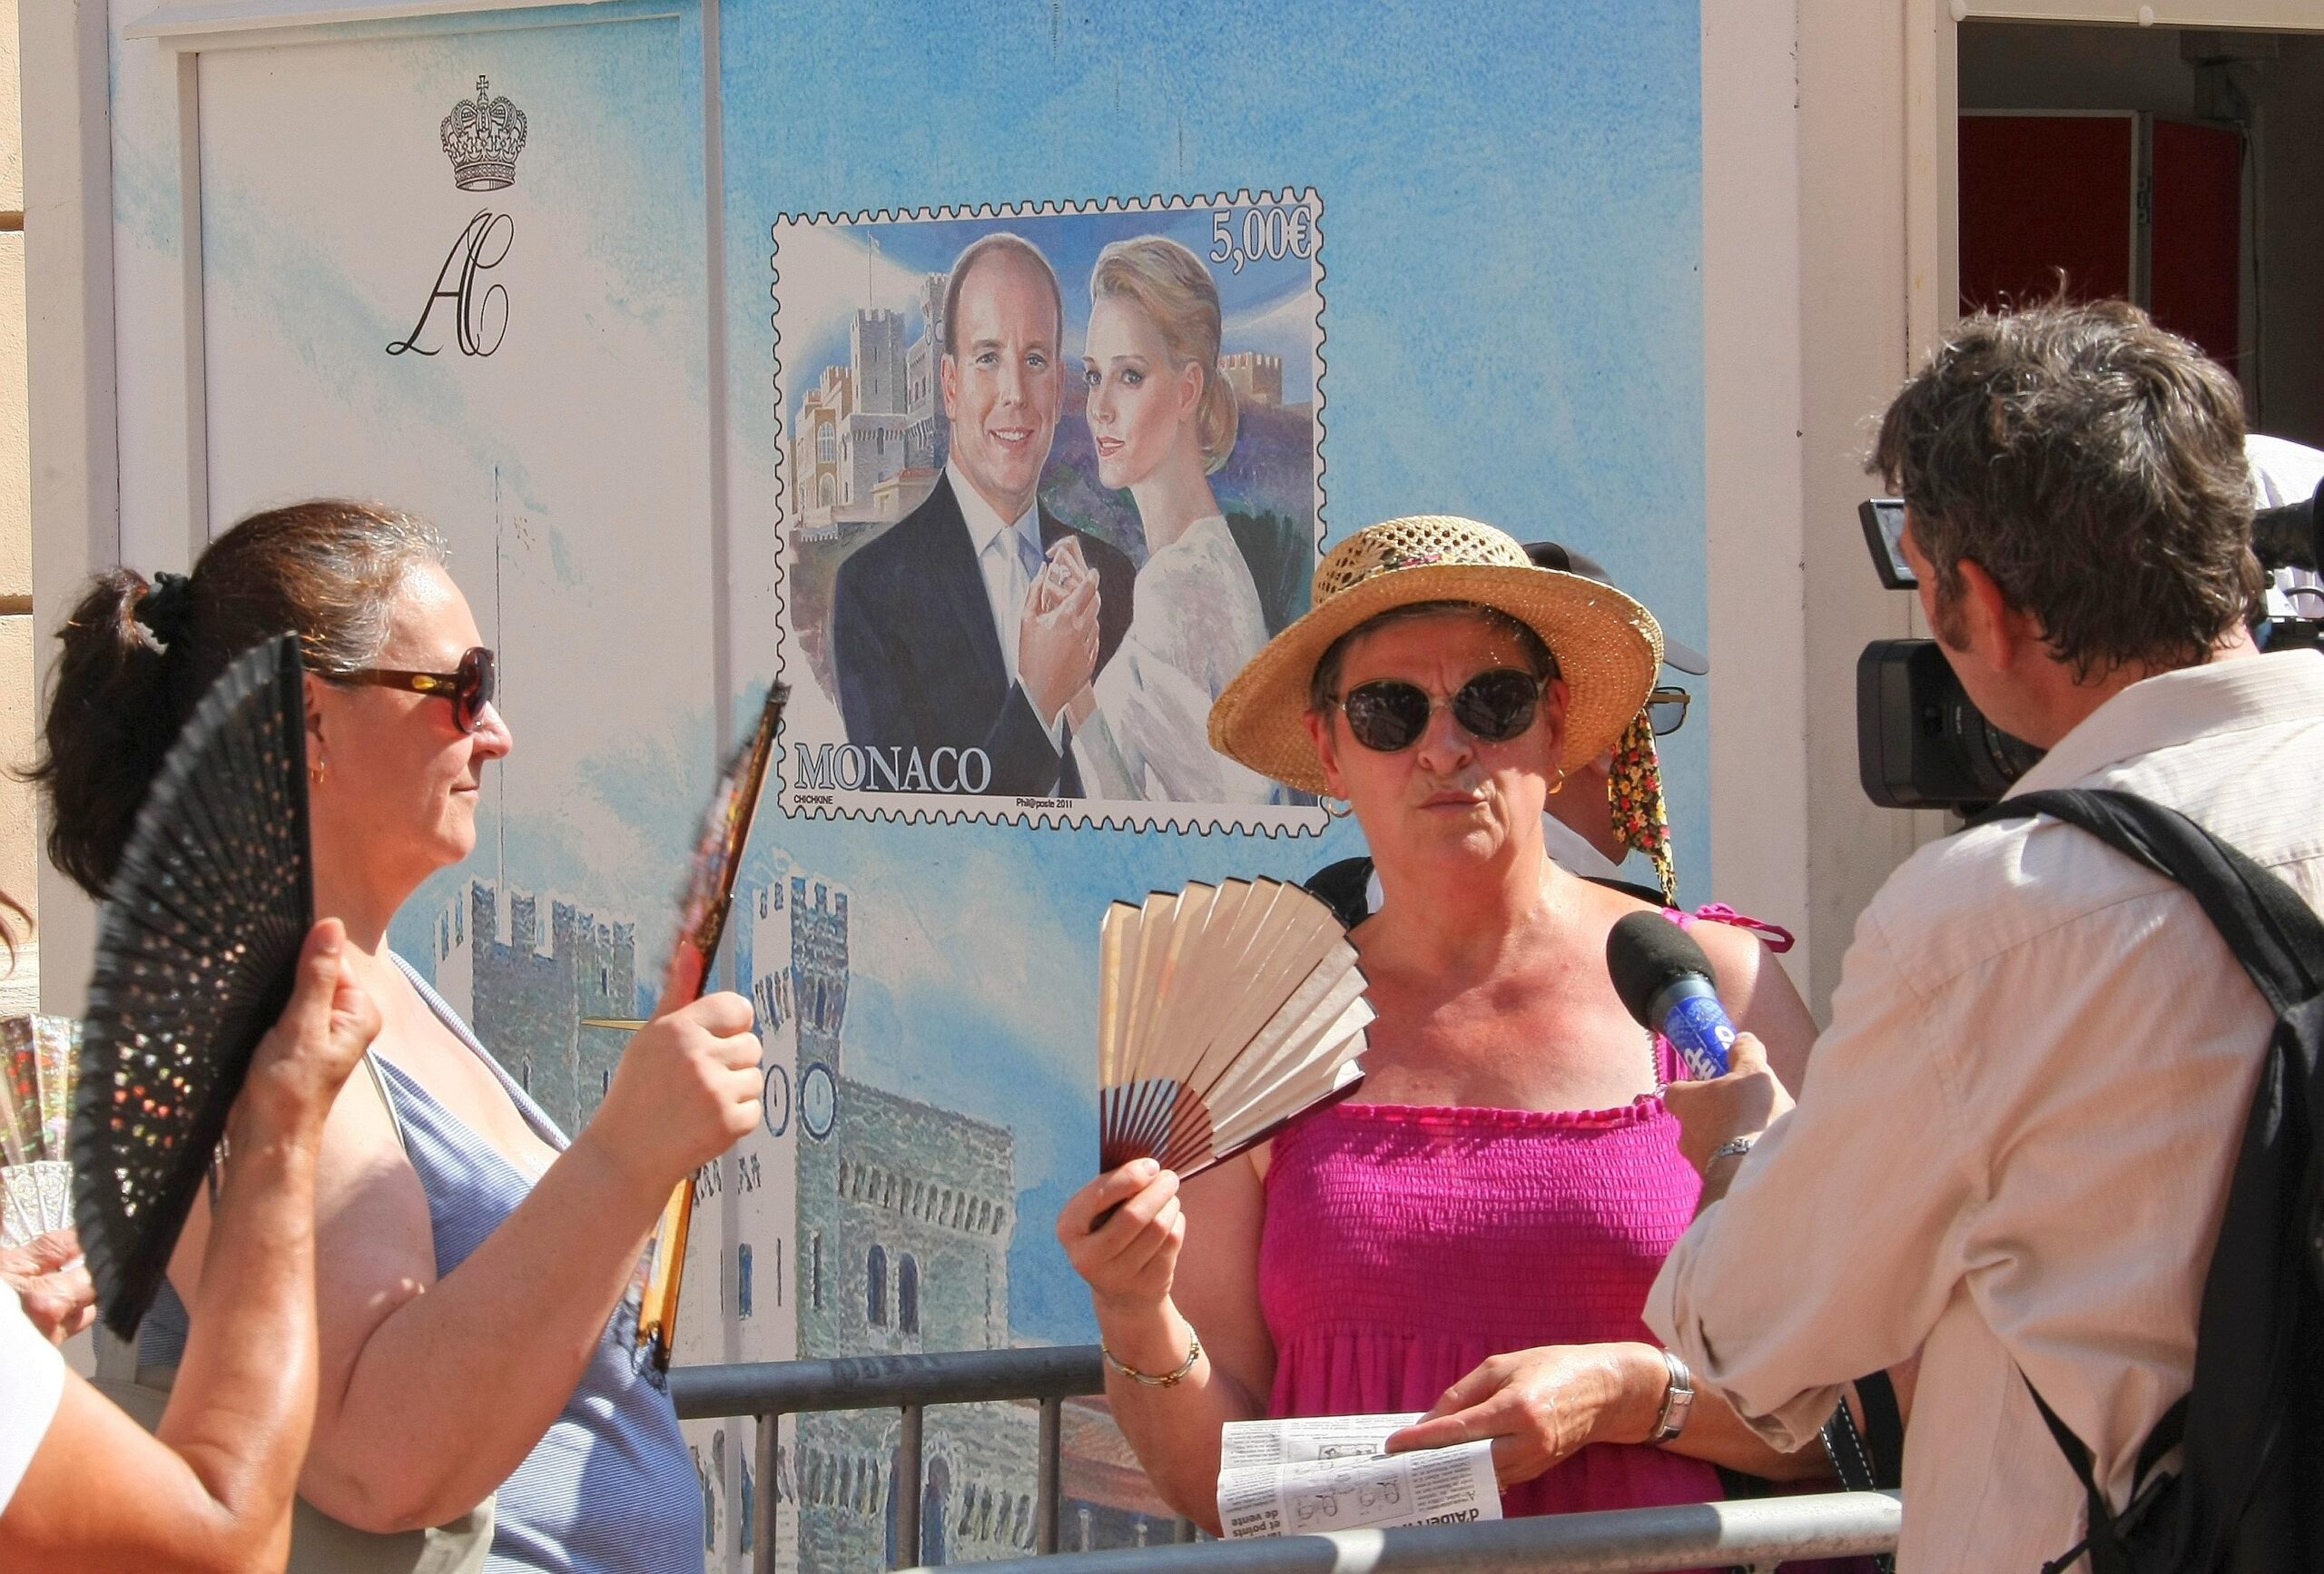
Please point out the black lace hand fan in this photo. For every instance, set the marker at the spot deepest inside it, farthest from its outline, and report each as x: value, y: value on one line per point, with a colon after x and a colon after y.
x: 197, y: 944
x: 1223, y: 1011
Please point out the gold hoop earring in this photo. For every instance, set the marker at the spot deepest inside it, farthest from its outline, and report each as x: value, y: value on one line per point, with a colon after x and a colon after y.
x: 1558, y: 786
x: 1343, y: 812
x: 317, y: 771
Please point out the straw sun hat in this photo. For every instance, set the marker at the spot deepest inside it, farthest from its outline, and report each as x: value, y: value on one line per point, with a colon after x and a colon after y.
x: 1607, y: 646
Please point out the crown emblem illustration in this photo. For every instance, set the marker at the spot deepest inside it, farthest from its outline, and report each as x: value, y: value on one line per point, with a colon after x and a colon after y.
x: 483, y: 139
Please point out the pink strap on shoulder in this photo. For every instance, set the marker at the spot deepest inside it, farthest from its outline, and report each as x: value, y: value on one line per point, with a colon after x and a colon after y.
x: 1774, y: 937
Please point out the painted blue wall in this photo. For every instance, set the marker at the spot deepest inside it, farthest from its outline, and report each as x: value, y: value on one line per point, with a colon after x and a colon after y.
x: 1512, y: 315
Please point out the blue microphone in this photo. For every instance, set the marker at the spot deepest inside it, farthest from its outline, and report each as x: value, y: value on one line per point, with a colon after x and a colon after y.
x: 1667, y: 985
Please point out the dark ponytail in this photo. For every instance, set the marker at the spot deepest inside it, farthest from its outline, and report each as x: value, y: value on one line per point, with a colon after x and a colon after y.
x: 110, y: 721
x: 139, y: 654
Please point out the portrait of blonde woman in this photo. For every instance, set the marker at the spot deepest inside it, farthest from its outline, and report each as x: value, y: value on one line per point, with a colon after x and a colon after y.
x: 1163, y: 419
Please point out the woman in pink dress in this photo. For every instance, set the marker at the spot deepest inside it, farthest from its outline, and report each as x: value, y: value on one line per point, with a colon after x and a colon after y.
x: 1479, y: 1227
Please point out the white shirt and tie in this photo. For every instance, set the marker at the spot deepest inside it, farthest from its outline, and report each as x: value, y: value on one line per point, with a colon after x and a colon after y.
x: 2013, y: 1146
x: 1010, y: 559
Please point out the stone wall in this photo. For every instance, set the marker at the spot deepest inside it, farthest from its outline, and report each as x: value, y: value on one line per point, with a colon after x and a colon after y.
x: 905, y: 1214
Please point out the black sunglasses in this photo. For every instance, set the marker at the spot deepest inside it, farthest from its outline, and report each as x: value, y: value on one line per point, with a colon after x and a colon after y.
x: 470, y: 686
x: 1665, y: 710
x: 1389, y: 714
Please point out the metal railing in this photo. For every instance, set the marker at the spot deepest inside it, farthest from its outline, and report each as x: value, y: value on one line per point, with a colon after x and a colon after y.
x: 769, y: 1389
x: 1756, y: 1534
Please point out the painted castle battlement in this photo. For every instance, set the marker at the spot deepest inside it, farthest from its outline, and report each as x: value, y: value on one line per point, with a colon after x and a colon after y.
x: 524, y: 988
x: 819, y: 969
x: 1255, y: 376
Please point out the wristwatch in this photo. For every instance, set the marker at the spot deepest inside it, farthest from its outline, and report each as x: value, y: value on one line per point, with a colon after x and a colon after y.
x: 1677, y: 1402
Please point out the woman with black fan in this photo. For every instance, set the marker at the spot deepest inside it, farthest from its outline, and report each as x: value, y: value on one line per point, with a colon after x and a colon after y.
x: 477, y: 1270
x: 1503, y: 1184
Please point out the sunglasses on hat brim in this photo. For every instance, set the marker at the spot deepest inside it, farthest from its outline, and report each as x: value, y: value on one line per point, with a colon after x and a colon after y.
x: 1665, y: 710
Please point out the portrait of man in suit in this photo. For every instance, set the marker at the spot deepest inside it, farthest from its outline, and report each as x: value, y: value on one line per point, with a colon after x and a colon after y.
x: 972, y: 623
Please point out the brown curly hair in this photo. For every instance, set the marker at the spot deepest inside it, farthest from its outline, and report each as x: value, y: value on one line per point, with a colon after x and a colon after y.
x: 2093, y: 465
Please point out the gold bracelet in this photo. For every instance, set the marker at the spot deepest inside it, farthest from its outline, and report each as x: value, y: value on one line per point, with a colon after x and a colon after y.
x: 1168, y: 1380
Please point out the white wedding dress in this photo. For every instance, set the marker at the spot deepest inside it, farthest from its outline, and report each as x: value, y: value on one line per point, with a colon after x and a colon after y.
x: 1196, y: 621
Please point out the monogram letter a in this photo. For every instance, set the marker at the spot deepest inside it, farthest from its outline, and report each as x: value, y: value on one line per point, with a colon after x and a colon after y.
x: 471, y: 312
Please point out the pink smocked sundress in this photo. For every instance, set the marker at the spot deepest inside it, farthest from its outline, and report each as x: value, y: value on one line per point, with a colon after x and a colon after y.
x: 1405, y: 1243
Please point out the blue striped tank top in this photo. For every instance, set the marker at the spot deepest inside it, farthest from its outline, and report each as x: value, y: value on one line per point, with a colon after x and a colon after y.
x: 610, y: 1489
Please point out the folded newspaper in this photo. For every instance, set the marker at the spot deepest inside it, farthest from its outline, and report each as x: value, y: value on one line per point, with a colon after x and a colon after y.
x: 1289, y: 1478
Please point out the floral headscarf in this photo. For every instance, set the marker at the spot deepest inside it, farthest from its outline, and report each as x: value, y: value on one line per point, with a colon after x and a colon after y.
x: 1635, y: 789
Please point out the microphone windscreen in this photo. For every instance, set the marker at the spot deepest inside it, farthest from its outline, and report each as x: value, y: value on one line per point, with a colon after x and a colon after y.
x: 1645, y: 953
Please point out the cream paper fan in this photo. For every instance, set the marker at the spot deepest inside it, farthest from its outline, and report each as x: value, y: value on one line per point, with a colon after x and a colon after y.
x: 1223, y: 1011
x: 39, y: 1068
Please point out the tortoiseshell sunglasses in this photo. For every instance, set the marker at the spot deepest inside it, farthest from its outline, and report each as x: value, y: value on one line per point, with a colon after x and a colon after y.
x: 470, y: 686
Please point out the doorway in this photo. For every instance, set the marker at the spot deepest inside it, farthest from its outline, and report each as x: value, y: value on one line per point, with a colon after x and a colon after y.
x: 2179, y: 168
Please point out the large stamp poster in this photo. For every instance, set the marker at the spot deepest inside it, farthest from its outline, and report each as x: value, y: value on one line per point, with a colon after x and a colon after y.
x: 1049, y: 477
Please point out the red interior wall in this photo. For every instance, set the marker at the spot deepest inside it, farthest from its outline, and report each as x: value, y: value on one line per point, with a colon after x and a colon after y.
x: 2040, y: 194
x: 2198, y: 243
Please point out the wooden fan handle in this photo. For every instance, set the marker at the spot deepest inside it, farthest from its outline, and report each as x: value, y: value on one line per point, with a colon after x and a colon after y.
x: 658, y: 1311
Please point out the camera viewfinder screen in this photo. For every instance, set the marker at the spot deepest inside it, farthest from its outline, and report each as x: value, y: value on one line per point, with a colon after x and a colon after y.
x: 1884, y: 532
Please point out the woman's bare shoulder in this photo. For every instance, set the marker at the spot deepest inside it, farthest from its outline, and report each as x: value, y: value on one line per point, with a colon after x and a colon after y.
x: 1606, y: 906
x: 1727, y: 944
x: 1735, y: 952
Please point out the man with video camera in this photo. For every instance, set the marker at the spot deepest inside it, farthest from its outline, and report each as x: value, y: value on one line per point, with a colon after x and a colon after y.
x: 2015, y: 1143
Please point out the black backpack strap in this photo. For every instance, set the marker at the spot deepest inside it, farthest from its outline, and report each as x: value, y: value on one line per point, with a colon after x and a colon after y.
x: 1884, y: 1429
x: 2103, y: 1538
x: 1852, y: 1461
x: 1869, y: 1458
x: 1845, y: 1446
x: 1628, y: 888
x: 2107, y: 1555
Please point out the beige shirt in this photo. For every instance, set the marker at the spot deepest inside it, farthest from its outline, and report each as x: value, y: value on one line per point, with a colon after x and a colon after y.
x: 2012, y: 1145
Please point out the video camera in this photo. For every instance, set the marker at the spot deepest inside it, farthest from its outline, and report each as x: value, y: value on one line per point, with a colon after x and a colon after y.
x: 1920, y: 743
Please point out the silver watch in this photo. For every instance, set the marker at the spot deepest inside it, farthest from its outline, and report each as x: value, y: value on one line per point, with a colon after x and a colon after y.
x: 1677, y: 1402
